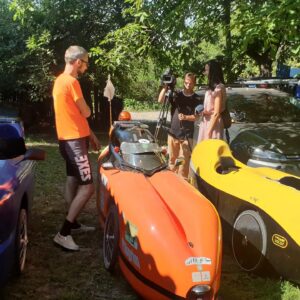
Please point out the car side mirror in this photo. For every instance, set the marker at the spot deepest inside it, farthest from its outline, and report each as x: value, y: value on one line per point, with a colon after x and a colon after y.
x: 35, y: 154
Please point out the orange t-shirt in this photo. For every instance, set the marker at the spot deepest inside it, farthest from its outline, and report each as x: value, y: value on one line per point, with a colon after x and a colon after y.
x: 70, y: 124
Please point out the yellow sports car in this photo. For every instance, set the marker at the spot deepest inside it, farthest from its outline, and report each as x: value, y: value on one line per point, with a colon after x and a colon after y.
x: 259, y: 208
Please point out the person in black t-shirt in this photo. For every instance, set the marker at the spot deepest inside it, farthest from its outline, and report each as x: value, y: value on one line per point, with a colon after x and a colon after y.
x: 180, y: 135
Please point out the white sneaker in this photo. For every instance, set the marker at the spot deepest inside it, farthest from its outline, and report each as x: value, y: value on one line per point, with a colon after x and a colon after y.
x: 66, y: 242
x: 83, y: 228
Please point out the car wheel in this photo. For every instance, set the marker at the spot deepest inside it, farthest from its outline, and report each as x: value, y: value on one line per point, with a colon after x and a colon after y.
x: 21, y: 241
x: 111, y: 239
x: 249, y: 241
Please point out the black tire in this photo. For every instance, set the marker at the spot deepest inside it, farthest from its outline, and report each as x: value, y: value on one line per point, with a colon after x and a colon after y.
x: 249, y: 241
x: 111, y: 239
x: 21, y: 241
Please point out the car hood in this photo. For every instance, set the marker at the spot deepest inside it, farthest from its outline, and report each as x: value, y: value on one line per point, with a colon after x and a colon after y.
x: 169, y: 215
x: 282, y: 138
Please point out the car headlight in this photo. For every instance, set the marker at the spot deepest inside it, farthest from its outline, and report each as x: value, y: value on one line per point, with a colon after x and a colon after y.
x: 199, y: 292
x: 268, y: 155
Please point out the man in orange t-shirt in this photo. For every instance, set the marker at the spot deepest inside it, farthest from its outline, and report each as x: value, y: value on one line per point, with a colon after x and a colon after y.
x: 74, y: 135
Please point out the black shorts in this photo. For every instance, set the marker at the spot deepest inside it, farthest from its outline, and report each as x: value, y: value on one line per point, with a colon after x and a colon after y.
x: 75, y: 153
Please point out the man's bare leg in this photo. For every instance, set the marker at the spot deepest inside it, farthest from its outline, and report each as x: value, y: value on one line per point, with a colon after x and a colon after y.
x: 84, y: 193
x: 70, y: 190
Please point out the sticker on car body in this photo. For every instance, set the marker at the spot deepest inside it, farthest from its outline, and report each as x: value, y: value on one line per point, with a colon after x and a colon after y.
x: 133, y: 258
x: 279, y: 240
x: 144, y: 141
x: 201, y: 276
x: 131, y: 232
x: 197, y: 261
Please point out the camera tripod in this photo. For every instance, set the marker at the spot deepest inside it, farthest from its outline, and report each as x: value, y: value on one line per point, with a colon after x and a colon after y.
x: 162, y: 118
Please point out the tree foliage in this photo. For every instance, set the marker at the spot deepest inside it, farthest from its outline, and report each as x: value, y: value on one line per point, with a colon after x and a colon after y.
x: 268, y: 30
x: 135, y: 40
x: 178, y: 31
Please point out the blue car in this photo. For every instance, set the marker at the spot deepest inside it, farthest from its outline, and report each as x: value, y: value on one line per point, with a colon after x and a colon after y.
x: 17, y: 166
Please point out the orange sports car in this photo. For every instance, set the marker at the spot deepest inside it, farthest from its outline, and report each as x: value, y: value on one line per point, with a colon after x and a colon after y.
x: 164, y: 234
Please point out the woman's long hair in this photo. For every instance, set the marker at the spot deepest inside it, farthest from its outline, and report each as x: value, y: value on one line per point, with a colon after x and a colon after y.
x: 215, y: 74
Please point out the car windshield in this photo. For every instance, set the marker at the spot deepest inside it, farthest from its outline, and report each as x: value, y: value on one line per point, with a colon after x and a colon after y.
x: 262, y: 108
x: 143, y: 154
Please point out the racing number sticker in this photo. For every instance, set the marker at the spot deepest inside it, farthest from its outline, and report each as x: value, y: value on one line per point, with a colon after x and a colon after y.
x: 197, y: 261
x: 279, y: 240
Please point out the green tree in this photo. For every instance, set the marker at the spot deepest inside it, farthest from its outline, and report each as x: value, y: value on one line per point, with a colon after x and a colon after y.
x: 41, y: 32
x: 176, y: 31
x: 12, y: 47
x: 268, y: 30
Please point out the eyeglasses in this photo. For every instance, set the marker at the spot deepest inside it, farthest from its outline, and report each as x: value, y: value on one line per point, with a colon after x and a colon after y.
x: 86, y: 62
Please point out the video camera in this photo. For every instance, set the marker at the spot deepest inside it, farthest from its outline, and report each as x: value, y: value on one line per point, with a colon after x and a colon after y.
x: 168, y: 78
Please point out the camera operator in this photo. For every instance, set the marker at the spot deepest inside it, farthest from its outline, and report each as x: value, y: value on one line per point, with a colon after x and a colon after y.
x: 180, y: 135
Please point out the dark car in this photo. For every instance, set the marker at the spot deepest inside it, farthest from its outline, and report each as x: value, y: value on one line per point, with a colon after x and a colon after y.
x: 17, y: 164
x: 266, y: 128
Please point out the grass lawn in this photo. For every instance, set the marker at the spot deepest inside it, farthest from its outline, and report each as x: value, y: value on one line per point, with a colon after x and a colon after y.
x: 52, y: 273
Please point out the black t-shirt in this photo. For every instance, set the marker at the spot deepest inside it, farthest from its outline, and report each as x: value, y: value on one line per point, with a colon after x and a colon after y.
x: 181, y: 104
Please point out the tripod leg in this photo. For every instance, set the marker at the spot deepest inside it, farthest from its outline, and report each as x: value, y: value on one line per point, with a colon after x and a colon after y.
x: 162, y: 120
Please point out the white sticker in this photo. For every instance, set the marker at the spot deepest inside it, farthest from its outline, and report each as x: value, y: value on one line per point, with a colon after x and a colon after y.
x: 197, y: 261
x: 144, y: 141
x: 205, y: 276
x: 201, y: 276
x: 196, y: 277
x: 130, y: 255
